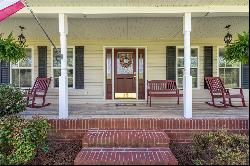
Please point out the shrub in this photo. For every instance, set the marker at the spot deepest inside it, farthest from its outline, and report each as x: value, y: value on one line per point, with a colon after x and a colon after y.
x: 221, y: 148
x: 20, y: 139
x: 11, y: 100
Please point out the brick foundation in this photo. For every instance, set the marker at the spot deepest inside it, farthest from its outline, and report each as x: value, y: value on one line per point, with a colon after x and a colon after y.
x: 178, y: 130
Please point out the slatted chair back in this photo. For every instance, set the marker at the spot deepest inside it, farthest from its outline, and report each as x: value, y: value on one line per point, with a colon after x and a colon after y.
x: 215, y: 84
x: 162, y: 85
x: 41, y: 85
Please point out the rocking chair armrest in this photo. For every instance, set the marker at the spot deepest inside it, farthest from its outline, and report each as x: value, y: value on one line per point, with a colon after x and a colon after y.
x: 241, y: 89
x: 237, y: 88
x: 234, y: 88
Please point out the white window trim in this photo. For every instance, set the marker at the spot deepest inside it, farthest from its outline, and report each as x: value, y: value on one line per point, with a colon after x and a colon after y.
x: 218, y: 67
x: 198, y: 67
x: 52, y: 67
x: 32, y: 68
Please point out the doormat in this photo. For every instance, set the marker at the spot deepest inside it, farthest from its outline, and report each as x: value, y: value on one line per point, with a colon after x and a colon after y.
x: 125, y: 104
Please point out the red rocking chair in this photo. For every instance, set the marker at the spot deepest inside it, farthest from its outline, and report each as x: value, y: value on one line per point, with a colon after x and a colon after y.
x: 39, y: 90
x: 217, y: 90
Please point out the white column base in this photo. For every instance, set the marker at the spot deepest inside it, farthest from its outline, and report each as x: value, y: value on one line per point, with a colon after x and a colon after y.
x: 63, y: 97
x: 187, y: 96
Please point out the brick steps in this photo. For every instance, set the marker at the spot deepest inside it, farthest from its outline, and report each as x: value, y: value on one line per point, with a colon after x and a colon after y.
x: 125, y: 138
x: 125, y: 156
x: 125, y: 147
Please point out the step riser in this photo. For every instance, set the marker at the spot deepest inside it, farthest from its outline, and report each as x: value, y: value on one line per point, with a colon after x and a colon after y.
x: 111, y: 144
x: 126, y: 156
x: 116, y: 138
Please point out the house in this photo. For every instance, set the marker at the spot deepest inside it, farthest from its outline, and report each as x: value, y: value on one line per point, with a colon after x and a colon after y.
x: 115, y: 46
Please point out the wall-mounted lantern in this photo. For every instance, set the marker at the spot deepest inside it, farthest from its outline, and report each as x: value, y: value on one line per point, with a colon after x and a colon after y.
x: 228, y: 37
x: 21, y: 37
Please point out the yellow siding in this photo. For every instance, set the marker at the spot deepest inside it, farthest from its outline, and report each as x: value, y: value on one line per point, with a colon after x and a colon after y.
x: 94, y: 70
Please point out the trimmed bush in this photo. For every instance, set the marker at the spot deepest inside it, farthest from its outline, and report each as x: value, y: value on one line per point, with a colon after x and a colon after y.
x: 20, y: 139
x: 221, y: 148
x: 11, y: 100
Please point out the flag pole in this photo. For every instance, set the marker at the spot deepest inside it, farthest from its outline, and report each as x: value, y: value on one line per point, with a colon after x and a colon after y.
x: 39, y: 23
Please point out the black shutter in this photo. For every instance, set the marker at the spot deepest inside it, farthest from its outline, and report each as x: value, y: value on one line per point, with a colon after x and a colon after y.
x: 171, y: 62
x: 245, y: 76
x: 4, y: 72
x: 79, y: 67
x: 208, y: 63
x: 42, y: 61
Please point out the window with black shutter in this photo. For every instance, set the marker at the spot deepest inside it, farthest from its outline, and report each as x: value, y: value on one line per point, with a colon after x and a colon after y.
x: 79, y: 67
x: 4, y: 72
x: 42, y: 61
x: 208, y: 63
x: 245, y: 76
x: 171, y: 62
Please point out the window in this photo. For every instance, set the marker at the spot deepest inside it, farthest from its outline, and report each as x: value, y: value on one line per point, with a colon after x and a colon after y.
x: 228, y: 72
x: 56, y: 67
x: 193, y: 70
x: 21, y: 72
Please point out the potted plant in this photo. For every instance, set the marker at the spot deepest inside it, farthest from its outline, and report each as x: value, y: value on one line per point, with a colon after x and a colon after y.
x: 10, y: 49
x: 238, y: 51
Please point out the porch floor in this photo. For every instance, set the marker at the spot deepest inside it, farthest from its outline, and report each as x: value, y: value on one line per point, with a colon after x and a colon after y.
x: 141, y: 110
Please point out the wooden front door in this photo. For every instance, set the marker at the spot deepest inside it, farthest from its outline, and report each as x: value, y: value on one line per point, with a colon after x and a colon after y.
x: 125, y: 73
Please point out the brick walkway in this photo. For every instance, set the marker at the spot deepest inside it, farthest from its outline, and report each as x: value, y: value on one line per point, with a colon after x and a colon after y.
x: 125, y: 147
x: 88, y: 111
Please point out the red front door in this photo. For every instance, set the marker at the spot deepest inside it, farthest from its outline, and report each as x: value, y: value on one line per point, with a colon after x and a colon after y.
x: 125, y: 73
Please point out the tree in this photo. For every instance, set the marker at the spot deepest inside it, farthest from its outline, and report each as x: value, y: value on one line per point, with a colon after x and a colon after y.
x: 10, y: 49
x: 238, y: 51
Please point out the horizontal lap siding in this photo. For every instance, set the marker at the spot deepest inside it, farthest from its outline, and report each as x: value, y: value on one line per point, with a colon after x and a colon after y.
x: 156, y: 61
x: 94, y: 71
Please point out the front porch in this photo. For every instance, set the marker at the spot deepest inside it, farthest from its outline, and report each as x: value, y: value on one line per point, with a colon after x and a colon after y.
x: 139, y: 110
x: 164, y: 41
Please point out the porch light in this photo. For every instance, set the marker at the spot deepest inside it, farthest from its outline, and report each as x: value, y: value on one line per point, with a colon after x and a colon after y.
x: 21, y: 37
x: 228, y: 38
x: 58, y: 55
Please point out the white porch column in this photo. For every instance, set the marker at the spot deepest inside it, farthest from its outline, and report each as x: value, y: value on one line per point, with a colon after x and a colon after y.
x: 63, y: 79
x: 187, y: 80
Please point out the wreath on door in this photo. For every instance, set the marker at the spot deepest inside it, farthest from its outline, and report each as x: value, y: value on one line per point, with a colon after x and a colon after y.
x: 126, y: 60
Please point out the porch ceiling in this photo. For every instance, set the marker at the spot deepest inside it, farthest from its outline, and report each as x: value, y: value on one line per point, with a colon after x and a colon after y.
x: 157, y: 28
x: 138, y: 3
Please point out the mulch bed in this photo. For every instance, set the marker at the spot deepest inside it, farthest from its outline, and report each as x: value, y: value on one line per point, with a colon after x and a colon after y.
x: 63, y: 152
x: 183, y: 153
x: 60, y: 153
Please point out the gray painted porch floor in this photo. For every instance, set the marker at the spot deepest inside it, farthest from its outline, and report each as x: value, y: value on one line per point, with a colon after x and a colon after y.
x: 110, y: 110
